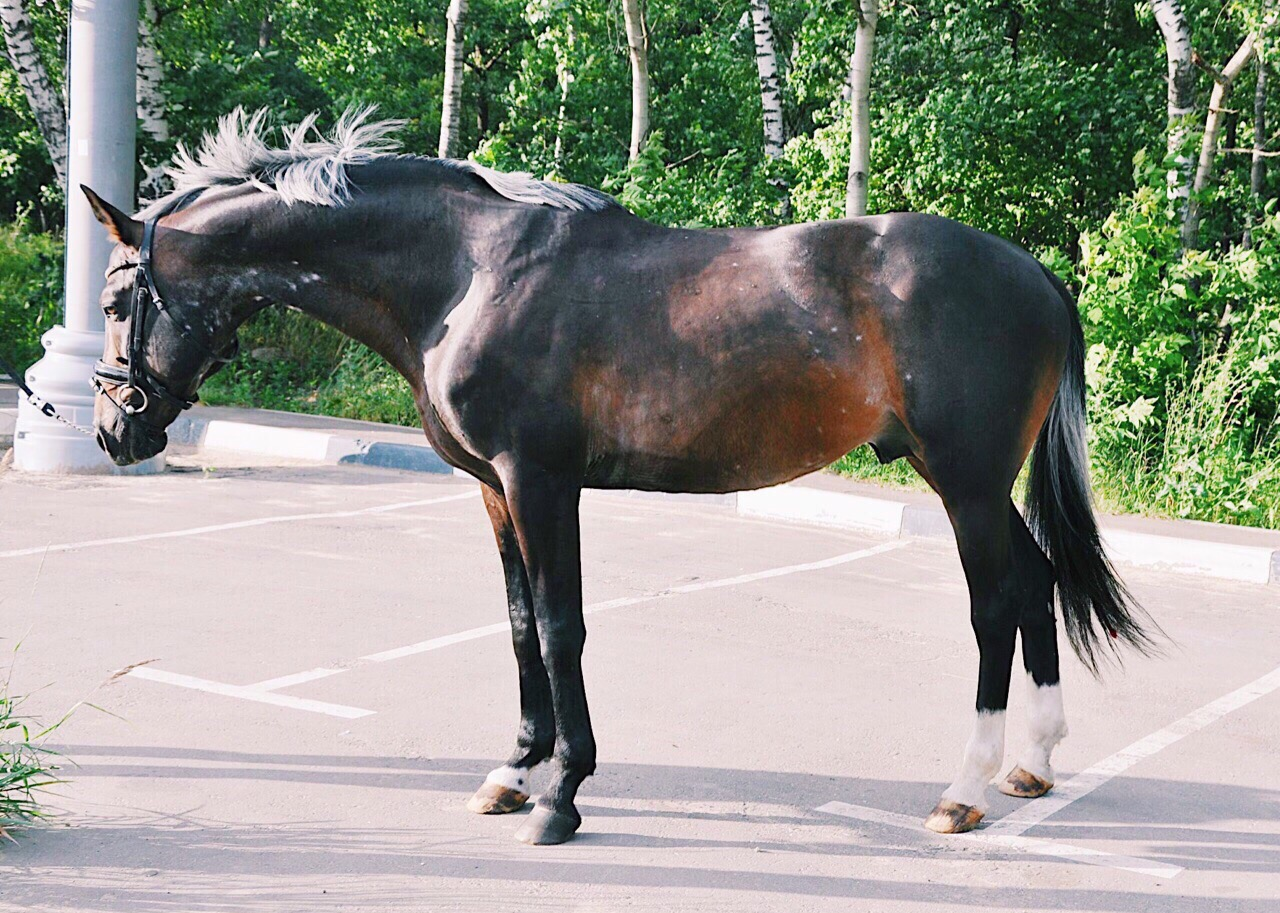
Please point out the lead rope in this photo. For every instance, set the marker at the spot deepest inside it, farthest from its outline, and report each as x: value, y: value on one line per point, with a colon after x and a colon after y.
x: 44, y: 406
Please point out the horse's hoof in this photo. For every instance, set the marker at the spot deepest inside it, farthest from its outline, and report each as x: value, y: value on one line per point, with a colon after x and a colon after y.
x: 496, y: 799
x: 545, y: 827
x: 953, y: 818
x: 1023, y: 784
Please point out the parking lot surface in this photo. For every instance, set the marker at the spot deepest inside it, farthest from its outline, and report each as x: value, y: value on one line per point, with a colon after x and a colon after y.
x: 327, y: 679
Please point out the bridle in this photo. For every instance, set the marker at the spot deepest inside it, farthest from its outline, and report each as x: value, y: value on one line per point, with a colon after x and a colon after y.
x: 138, y: 387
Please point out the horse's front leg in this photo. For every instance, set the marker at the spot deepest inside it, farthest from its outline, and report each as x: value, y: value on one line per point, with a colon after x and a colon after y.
x: 507, y: 788
x: 544, y: 509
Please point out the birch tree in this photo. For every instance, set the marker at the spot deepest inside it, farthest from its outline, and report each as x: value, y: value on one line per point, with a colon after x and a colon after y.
x: 1223, y: 82
x: 767, y: 68
x: 564, y: 79
x: 152, y: 116
x: 451, y: 112
x: 860, y: 102
x: 638, y: 43
x: 42, y: 96
x: 1258, y: 165
x: 1181, y: 90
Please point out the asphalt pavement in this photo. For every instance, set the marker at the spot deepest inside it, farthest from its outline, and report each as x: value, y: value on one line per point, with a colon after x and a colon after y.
x: 327, y: 679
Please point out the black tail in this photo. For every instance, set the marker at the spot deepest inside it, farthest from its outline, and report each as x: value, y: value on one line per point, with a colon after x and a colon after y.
x: 1059, y: 512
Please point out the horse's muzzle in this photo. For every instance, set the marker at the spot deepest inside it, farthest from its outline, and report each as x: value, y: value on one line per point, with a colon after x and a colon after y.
x: 129, y: 441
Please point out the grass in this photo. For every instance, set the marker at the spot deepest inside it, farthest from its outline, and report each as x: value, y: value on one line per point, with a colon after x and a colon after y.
x: 862, y: 464
x: 1207, y: 463
x: 26, y: 766
x: 311, y: 368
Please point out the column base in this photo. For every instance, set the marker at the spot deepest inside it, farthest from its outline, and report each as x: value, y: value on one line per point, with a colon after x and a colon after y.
x: 42, y: 444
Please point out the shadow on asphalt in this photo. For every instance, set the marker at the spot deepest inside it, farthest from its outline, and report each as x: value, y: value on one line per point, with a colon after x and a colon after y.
x: 1144, y: 811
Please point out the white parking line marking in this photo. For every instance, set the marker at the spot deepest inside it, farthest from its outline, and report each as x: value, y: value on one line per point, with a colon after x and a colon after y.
x: 297, y: 678
x: 1085, y: 782
x: 436, y: 643
x: 240, y: 524
x: 248, y: 693
x: 1014, y: 842
x: 448, y: 640
x: 1008, y: 831
x: 264, y: 691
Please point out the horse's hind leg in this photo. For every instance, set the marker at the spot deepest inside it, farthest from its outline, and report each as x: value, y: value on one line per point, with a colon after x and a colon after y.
x: 1046, y: 722
x: 507, y: 788
x: 997, y: 591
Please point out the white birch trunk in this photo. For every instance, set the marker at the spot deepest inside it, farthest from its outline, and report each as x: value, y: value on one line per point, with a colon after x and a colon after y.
x: 1222, y: 85
x: 45, y: 101
x: 564, y: 78
x: 151, y: 98
x: 1181, y: 90
x: 638, y: 43
x: 152, y: 104
x: 1258, y: 166
x: 767, y: 68
x: 451, y: 113
x: 860, y: 102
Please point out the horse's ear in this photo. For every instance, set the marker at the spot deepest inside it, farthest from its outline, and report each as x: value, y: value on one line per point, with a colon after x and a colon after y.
x: 121, y: 228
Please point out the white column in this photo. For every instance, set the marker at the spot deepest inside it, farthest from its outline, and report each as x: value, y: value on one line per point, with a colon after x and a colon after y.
x: 102, y: 92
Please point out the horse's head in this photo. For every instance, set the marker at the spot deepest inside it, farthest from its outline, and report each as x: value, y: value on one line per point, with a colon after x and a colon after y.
x: 171, y: 323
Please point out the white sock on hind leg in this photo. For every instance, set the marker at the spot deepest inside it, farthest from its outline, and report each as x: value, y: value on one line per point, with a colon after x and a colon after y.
x: 1046, y: 725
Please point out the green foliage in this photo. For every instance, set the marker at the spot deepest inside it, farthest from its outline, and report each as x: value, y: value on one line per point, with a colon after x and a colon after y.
x: 1032, y: 146
x: 30, y: 291
x: 1151, y: 310
x: 287, y: 357
x: 297, y: 364
x: 1209, y: 460
x: 366, y: 387
x: 863, y: 464
x: 735, y: 189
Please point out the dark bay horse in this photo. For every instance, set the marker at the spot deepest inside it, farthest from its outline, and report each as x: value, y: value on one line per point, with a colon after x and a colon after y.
x: 555, y: 342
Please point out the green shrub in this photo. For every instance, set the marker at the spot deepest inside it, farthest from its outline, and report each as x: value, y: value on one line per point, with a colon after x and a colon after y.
x: 737, y: 188
x: 1208, y: 461
x: 1027, y: 150
x: 1151, y: 311
x: 30, y: 291
x: 366, y: 387
x: 863, y: 464
x: 300, y: 355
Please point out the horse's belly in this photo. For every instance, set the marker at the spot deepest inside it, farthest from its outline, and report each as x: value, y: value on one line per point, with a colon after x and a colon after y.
x: 739, y: 438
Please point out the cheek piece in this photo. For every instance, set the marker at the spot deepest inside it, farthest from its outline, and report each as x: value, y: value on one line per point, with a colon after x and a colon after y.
x: 137, y: 387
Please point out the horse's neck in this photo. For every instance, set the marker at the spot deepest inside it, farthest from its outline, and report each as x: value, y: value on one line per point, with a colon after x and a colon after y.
x: 385, y: 288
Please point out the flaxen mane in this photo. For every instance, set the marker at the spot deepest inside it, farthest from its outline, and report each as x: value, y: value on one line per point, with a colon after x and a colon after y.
x: 313, y: 168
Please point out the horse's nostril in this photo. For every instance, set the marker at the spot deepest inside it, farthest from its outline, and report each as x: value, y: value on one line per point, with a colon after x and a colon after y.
x: 102, y: 442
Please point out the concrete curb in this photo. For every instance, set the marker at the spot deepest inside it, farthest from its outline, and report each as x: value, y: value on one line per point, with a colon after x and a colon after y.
x: 8, y: 413
x: 794, y: 501
x: 304, y: 444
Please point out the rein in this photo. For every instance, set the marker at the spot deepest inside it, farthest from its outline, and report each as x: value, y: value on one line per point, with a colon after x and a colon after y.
x: 43, y: 405
x: 138, y: 386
